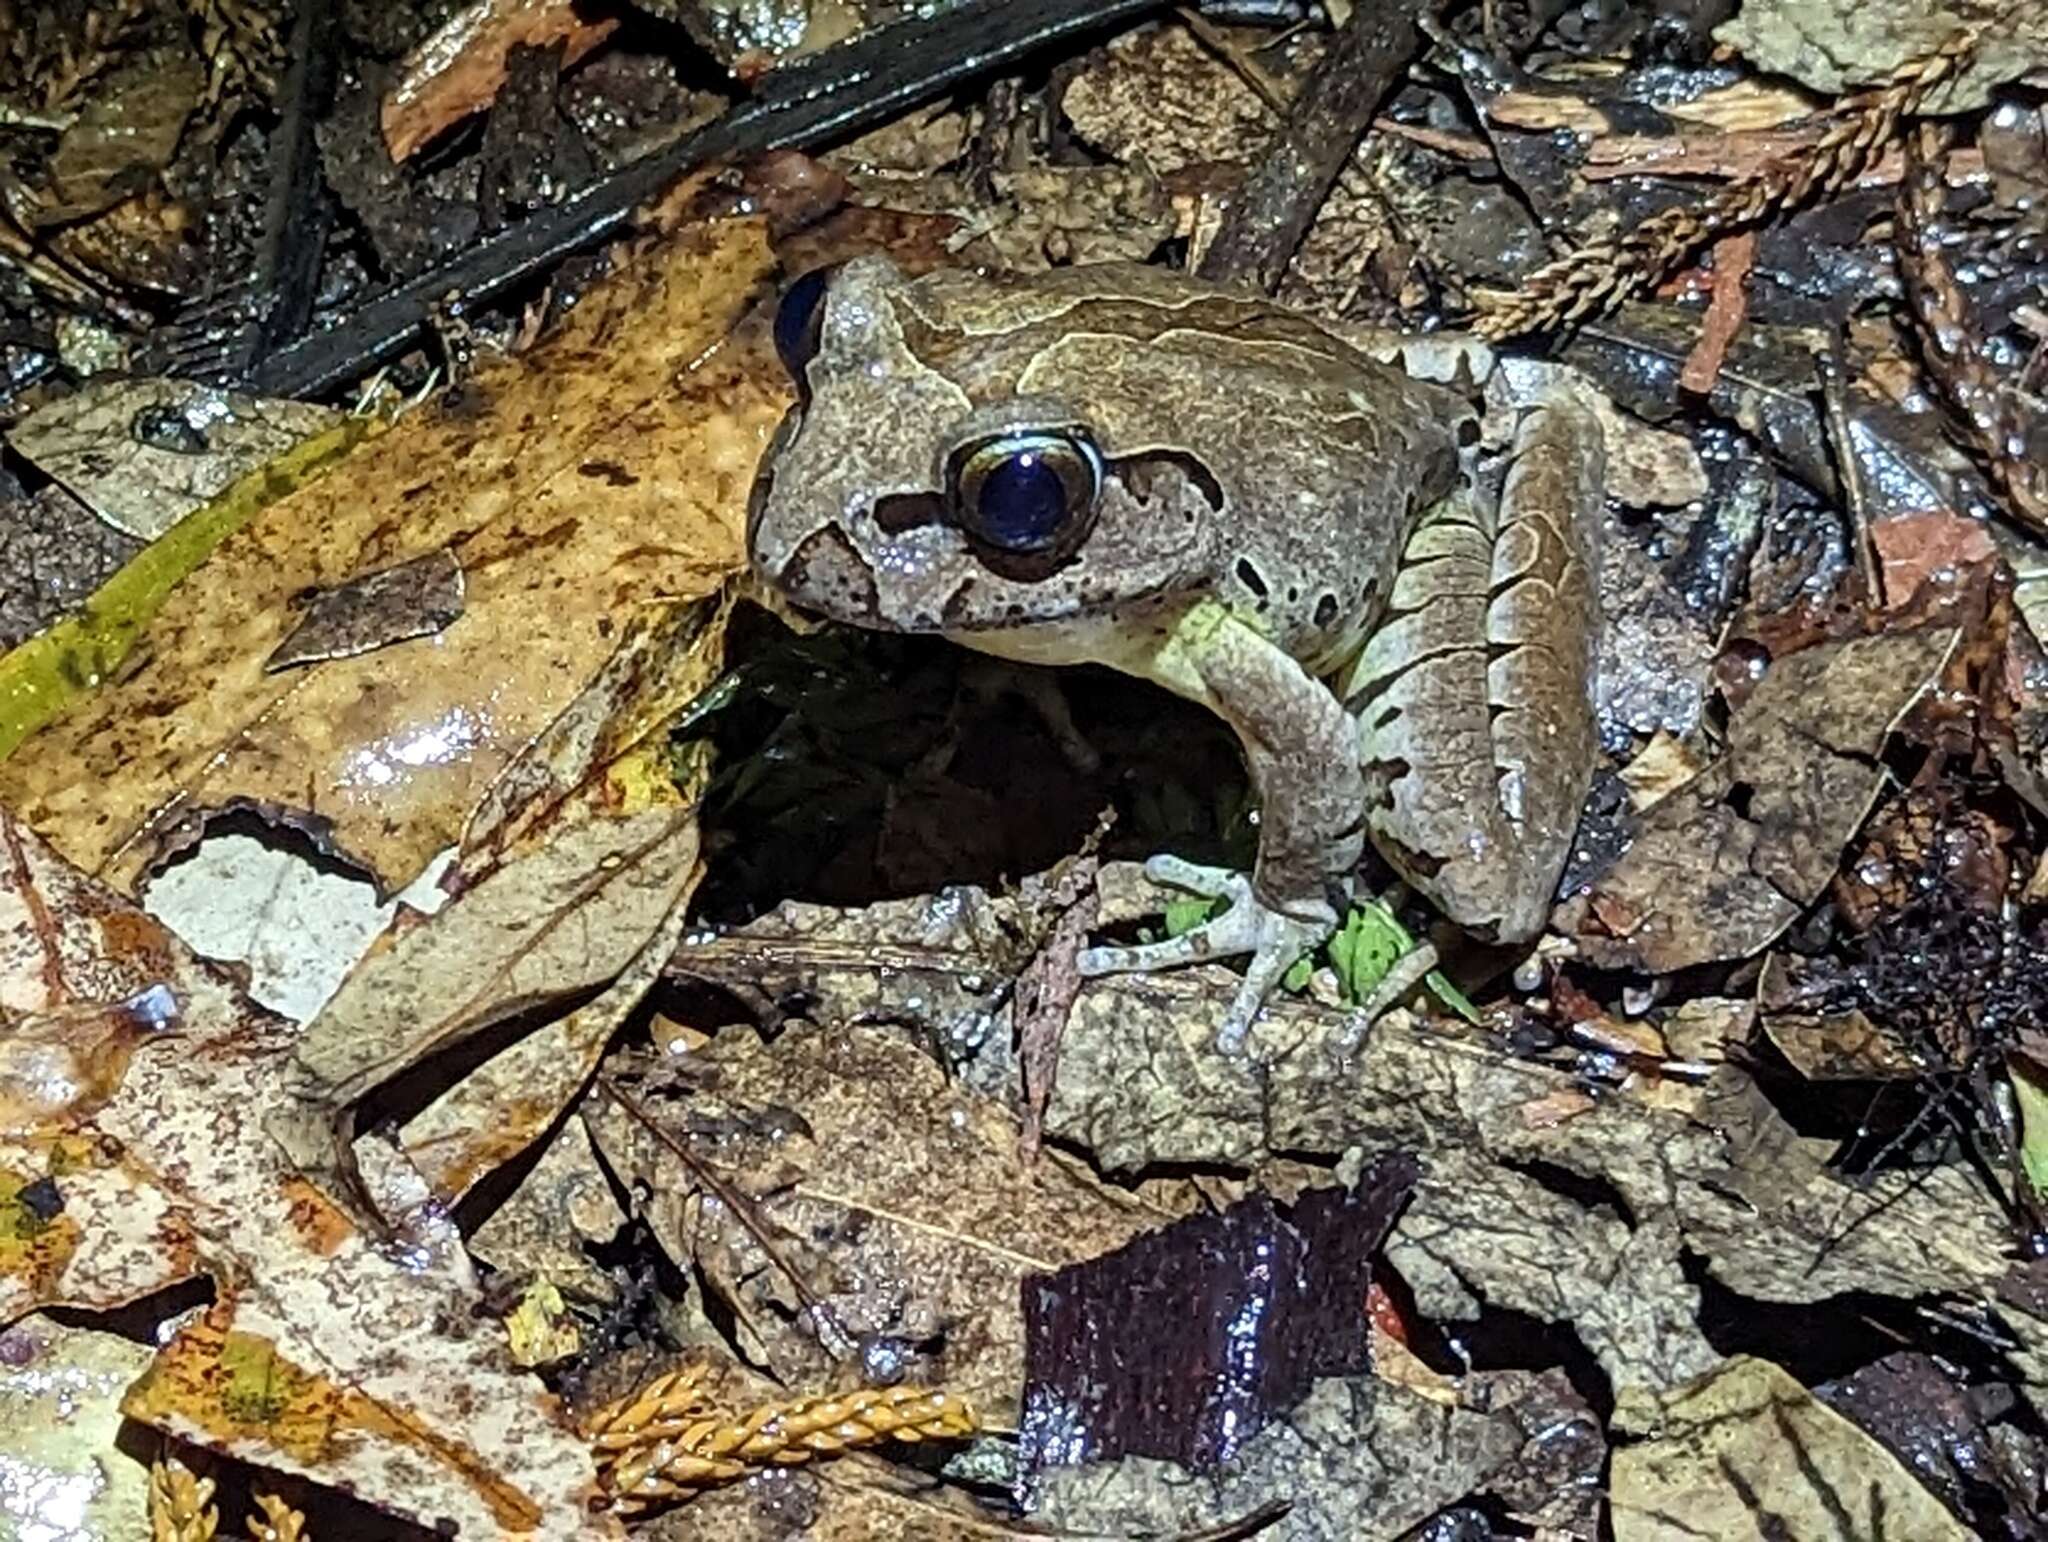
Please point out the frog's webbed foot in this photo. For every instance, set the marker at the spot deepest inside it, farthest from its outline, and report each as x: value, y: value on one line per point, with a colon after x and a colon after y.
x: 1274, y: 938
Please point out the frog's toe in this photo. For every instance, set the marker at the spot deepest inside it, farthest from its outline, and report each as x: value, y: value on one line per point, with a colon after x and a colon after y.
x: 1283, y: 940
x: 1274, y: 939
x: 1199, y: 878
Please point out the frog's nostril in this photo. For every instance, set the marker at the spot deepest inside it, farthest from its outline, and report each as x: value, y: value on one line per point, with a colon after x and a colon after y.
x: 901, y: 512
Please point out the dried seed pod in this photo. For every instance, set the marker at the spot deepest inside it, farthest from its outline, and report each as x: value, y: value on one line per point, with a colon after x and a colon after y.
x: 181, y: 1505
x: 660, y: 1441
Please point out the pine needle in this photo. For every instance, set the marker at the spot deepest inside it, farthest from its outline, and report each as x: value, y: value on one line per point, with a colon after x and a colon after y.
x: 1603, y: 273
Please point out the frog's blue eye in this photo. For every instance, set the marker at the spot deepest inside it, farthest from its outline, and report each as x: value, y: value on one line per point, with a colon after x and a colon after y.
x: 797, y: 318
x: 1027, y: 494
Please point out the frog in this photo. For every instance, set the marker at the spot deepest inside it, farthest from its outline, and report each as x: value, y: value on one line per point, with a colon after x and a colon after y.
x: 1121, y: 465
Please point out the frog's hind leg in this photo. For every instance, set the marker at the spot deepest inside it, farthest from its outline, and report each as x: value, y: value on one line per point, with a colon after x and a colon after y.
x: 1476, y: 732
x: 1301, y: 747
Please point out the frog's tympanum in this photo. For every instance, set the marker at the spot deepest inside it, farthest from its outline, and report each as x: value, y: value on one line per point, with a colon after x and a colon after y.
x: 1115, y: 465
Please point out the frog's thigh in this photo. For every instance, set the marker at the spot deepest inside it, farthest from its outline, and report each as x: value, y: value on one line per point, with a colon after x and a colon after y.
x: 1301, y: 747
x: 1475, y: 725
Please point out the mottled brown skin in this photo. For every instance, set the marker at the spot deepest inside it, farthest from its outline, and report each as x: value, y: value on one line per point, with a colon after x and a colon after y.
x: 1268, y: 489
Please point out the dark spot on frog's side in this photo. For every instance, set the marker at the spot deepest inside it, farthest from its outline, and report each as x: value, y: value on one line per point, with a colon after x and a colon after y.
x: 612, y: 472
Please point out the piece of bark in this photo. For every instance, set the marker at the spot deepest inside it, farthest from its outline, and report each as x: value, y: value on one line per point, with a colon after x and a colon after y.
x: 1273, y: 210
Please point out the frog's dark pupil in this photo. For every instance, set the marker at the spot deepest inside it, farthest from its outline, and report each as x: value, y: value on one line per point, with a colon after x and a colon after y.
x: 1022, y: 502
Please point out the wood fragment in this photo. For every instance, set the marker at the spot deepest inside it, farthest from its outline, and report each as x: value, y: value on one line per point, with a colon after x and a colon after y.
x: 1726, y: 310
x: 1269, y: 215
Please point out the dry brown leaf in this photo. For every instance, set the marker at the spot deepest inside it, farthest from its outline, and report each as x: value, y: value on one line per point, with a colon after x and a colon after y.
x: 585, y: 762
x: 563, y: 1208
x: 1747, y: 104
x: 750, y: 38
x: 1747, y: 1452
x: 1357, y: 1458
x: 896, y: 1199
x: 1666, y: 764
x: 56, y: 1067
x: 145, y: 453
x: 126, y: 132
x: 858, y: 1498
x: 414, y: 599
x: 498, y: 1110
x: 1834, y: 46
x: 1480, y: 1232
x: 603, y: 473
x: 597, y: 907
x: 1727, y: 861
x: 1159, y: 96
x: 174, y: 1175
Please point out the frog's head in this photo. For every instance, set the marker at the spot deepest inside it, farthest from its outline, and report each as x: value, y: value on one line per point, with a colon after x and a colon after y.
x: 924, y: 483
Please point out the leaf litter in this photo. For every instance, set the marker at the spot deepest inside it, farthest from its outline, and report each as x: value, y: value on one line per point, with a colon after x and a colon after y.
x: 704, y: 1090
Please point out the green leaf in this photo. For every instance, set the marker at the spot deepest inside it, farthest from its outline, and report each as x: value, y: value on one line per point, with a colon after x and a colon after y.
x: 1365, y: 947
x: 1184, y: 915
x: 2032, y: 1098
x: 1451, y: 996
x: 1368, y: 945
x: 1363, y: 951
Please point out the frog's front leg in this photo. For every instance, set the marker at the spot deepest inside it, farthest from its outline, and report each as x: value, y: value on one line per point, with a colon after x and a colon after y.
x: 1302, y: 750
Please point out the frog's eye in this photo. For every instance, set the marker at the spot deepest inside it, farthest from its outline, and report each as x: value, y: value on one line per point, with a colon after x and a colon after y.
x: 1027, y: 493
x: 797, y: 318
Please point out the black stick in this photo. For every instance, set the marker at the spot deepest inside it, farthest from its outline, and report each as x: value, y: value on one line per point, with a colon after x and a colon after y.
x: 832, y: 94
